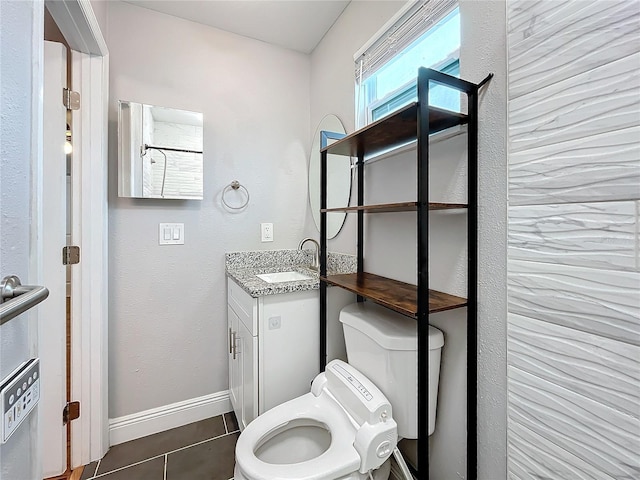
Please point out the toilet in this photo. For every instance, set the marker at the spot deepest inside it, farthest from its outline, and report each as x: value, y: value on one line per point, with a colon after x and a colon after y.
x: 348, y: 425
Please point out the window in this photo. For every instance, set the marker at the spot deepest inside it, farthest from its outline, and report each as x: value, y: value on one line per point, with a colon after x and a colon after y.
x: 427, y: 35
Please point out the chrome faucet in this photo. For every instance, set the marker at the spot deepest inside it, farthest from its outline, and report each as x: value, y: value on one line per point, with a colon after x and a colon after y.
x: 315, y: 262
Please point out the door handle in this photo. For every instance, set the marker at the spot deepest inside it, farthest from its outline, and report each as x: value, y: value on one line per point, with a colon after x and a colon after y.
x: 230, y: 348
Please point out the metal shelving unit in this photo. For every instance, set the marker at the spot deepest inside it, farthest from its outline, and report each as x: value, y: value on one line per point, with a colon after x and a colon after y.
x: 416, y: 121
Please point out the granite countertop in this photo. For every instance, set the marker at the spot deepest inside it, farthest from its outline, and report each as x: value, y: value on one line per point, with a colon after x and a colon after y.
x: 244, y: 266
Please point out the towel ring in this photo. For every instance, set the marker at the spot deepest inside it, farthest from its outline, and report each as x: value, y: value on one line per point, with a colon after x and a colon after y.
x: 235, y: 185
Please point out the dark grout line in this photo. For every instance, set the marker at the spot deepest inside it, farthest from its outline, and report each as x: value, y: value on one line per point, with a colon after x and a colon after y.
x: 166, y: 455
x: 126, y: 466
x: 198, y: 443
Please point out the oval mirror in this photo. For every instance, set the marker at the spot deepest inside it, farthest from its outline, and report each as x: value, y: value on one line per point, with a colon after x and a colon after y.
x: 338, y: 178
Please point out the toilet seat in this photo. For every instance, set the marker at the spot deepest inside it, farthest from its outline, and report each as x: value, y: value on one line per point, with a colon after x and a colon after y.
x: 338, y: 461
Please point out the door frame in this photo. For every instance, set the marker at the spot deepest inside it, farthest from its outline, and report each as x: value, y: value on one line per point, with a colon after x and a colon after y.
x: 89, y: 376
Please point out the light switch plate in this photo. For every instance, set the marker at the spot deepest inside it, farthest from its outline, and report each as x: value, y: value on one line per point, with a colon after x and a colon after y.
x: 171, y: 234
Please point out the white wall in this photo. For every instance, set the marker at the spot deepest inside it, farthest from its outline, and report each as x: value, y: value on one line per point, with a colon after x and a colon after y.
x: 574, y: 261
x: 19, y: 24
x: 100, y: 8
x: 167, y: 304
x: 484, y: 50
x: 332, y: 91
x: 332, y: 86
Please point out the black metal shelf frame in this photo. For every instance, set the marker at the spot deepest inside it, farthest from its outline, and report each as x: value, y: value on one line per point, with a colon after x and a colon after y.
x: 423, y: 131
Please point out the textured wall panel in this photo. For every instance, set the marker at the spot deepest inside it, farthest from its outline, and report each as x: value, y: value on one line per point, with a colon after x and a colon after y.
x: 573, y: 326
x: 601, y: 100
x: 603, y: 302
x: 597, y: 168
x: 601, y: 369
x: 599, y: 435
x: 638, y: 233
x: 551, y: 41
x: 533, y: 456
x: 598, y: 235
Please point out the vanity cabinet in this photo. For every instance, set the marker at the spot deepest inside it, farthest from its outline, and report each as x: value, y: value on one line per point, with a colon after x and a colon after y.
x: 272, y: 343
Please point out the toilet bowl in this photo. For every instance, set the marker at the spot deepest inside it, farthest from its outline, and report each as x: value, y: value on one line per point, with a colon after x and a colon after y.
x: 346, y: 427
x: 342, y: 430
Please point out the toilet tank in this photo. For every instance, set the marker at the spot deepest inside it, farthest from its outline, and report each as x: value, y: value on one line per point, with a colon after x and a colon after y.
x: 383, y: 346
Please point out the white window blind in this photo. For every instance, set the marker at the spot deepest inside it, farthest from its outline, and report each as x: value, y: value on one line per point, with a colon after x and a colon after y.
x: 413, y: 21
x: 425, y: 33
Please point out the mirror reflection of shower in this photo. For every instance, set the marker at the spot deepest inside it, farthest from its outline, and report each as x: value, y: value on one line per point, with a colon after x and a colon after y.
x: 160, y: 152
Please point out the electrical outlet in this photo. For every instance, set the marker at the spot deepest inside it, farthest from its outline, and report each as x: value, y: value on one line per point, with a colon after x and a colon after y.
x: 266, y: 230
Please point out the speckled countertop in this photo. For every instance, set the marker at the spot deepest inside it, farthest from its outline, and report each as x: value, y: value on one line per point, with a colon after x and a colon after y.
x: 244, y: 266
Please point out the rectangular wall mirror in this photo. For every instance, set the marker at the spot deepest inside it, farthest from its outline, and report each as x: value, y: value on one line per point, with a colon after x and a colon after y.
x: 159, y: 152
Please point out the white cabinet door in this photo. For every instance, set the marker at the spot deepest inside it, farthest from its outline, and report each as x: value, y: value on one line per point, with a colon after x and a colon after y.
x: 235, y: 380
x: 247, y: 358
x: 289, y: 345
x: 276, y: 348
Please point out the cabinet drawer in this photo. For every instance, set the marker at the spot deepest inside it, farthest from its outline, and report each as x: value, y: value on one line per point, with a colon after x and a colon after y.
x: 244, y: 305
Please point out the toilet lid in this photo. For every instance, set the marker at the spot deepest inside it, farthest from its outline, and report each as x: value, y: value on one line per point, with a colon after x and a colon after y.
x: 339, y: 460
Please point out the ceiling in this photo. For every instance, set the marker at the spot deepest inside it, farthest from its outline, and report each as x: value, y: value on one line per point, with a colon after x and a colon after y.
x: 295, y: 24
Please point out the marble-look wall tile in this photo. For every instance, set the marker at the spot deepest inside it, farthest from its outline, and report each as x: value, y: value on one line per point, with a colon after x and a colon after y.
x: 533, y: 456
x: 551, y: 41
x: 603, y: 437
x: 598, y: 368
x: 598, y: 168
x: 604, y: 99
x: 638, y: 235
x: 602, y: 302
x: 597, y: 235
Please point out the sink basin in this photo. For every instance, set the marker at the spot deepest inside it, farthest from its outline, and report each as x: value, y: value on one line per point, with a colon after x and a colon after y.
x: 283, y: 277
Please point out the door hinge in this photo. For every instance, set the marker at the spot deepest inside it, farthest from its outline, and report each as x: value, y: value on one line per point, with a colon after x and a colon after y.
x: 71, y: 99
x: 70, y: 412
x: 70, y: 255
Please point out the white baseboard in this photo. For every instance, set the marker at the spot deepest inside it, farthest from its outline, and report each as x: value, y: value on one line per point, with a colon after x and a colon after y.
x: 148, y: 422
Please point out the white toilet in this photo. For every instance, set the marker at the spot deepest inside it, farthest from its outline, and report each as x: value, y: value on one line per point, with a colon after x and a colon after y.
x: 346, y: 427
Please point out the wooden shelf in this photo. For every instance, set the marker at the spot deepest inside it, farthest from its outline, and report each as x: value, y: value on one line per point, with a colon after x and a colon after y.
x: 399, y: 296
x: 393, y: 130
x: 396, y: 207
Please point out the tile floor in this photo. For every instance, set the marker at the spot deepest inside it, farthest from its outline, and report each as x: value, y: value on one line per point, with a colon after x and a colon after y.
x: 202, y: 450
